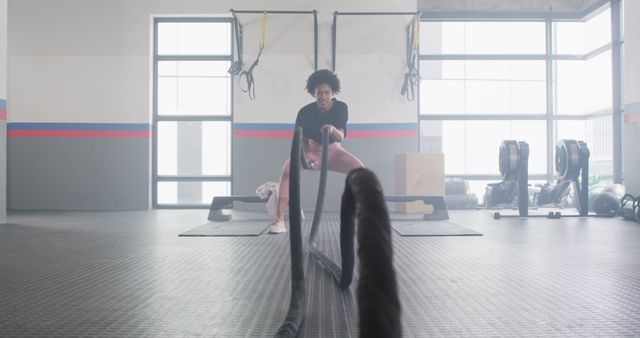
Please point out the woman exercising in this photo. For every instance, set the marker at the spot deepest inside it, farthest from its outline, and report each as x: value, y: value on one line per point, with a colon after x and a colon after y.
x: 325, y: 113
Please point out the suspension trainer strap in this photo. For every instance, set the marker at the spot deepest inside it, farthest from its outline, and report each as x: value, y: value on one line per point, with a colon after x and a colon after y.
x: 412, y: 76
x: 236, y: 66
x: 248, y: 73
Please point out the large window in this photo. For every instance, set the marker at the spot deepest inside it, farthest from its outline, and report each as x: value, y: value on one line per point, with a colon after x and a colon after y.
x: 192, y: 111
x: 487, y: 81
x: 582, y: 87
x: 482, y: 87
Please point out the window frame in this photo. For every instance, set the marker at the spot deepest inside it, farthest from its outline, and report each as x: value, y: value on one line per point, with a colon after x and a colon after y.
x: 196, y: 118
x: 549, y: 57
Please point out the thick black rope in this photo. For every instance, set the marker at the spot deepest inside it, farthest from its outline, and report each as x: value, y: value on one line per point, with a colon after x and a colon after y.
x: 344, y: 275
x: 378, y: 301
x: 317, y: 215
x: 363, y: 199
x: 322, y: 186
x: 295, y: 316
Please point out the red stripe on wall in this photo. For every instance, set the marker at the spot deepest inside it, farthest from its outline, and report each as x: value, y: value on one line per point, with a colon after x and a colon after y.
x: 3, y: 114
x: 632, y: 117
x: 78, y: 133
x: 382, y: 134
x: 263, y: 133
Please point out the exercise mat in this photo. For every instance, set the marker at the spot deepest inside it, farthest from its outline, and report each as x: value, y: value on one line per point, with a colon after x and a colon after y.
x: 242, y: 224
x: 430, y: 228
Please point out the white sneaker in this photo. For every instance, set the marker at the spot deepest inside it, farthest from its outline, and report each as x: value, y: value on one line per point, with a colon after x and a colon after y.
x: 277, y: 227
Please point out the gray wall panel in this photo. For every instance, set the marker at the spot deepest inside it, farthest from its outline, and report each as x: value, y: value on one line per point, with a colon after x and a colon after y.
x: 379, y: 155
x: 259, y: 160
x: 3, y: 122
x: 78, y: 174
x: 3, y: 172
x: 632, y: 158
x: 631, y: 76
x: 98, y: 53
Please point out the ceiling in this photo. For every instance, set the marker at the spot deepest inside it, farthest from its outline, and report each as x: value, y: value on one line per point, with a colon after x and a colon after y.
x: 526, y: 6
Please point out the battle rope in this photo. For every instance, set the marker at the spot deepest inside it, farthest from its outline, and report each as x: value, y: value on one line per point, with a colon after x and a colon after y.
x: 295, y: 316
x: 239, y: 68
x: 362, y: 199
x: 412, y: 76
x: 343, y: 276
x: 378, y: 301
x: 331, y: 266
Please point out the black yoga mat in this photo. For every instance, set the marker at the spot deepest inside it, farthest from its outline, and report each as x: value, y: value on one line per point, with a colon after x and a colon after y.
x: 231, y: 228
x: 430, y: 228
x: 243, y: 223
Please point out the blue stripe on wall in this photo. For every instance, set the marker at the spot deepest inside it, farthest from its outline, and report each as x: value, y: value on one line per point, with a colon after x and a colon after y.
x: 79, y: 126
x: 3, y: 104
x: 632, y: 107
x: 382, y: 126
x: 263, y: 126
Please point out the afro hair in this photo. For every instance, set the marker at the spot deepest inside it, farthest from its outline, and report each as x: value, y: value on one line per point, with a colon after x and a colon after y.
x: 322, y: 76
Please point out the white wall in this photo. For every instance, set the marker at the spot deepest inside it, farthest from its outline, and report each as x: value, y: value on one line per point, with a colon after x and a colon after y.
x: 3, y: 96
x: 370, y: 64
x: 3, y: 49
x: 90, y: 61
x: 632, y: 96
x: 631, y: 51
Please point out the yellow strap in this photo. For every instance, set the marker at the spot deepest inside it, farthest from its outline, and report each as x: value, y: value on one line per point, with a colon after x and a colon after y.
x: 264, y: 29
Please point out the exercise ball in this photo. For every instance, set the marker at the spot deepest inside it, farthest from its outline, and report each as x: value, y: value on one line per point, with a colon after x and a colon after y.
x: 605, y: 203
x: 616, y: 189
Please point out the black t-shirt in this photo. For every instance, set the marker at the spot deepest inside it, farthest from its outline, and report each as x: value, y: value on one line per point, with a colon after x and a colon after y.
x: 311, y: 119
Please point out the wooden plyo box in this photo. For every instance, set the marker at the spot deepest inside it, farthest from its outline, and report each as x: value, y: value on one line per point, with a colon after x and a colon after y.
x: 419, y: 174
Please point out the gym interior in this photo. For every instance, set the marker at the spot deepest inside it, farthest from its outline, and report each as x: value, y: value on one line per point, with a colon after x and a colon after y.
x: 144, y: 144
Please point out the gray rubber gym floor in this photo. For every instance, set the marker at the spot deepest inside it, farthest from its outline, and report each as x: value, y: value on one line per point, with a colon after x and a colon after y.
x: 129, y: 274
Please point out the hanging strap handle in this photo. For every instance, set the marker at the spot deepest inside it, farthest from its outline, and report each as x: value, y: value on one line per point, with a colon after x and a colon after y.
x: 238, y: 65
x: 248, y: 73
x: 412, y: 76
